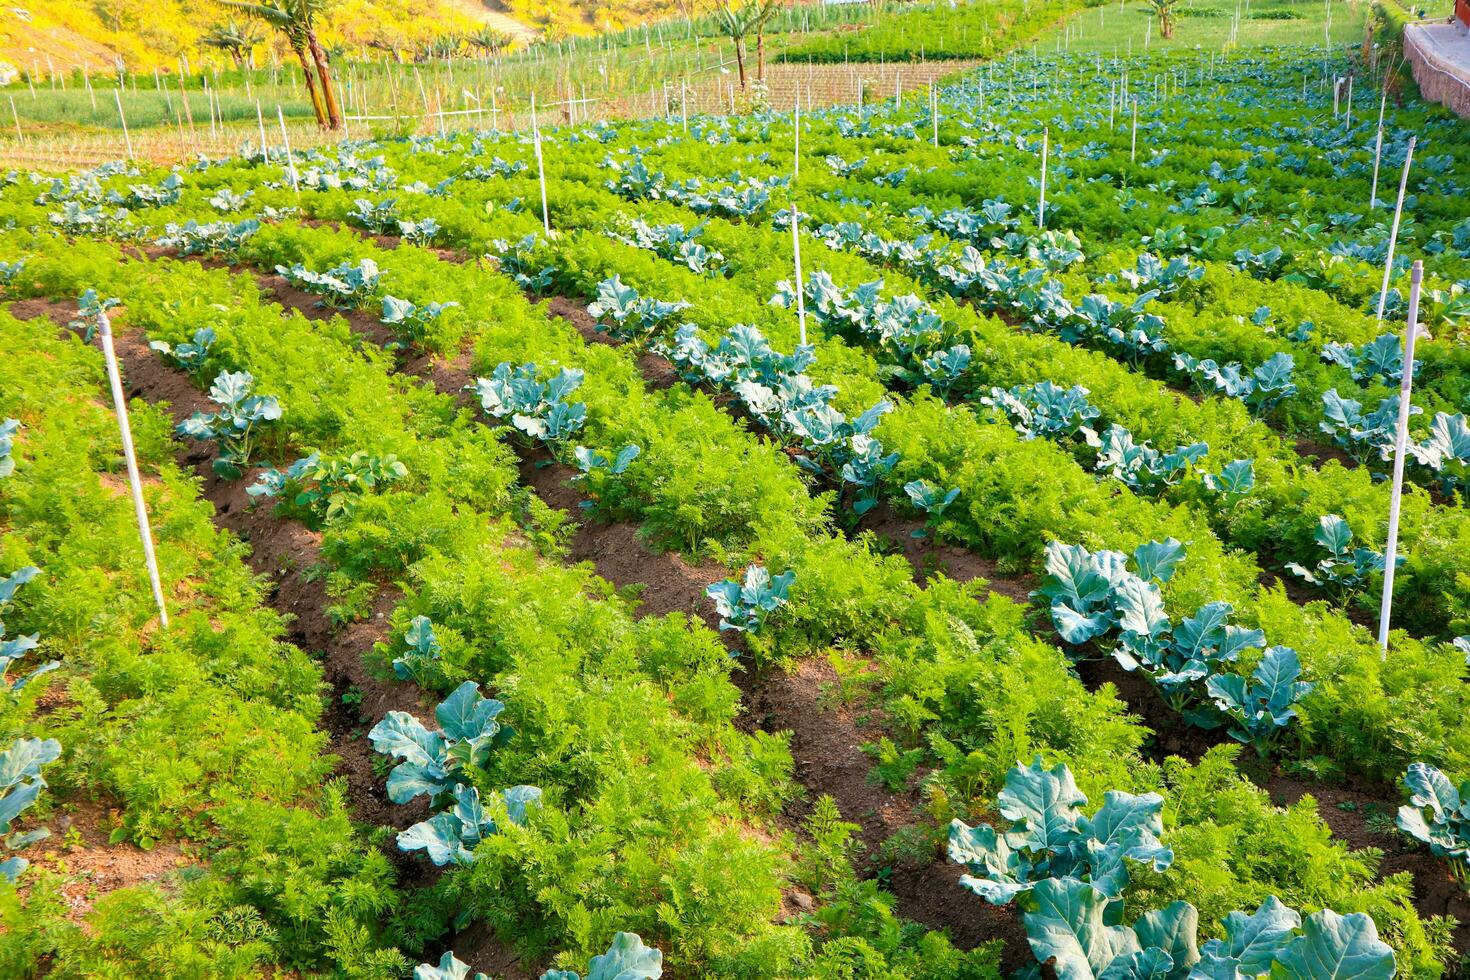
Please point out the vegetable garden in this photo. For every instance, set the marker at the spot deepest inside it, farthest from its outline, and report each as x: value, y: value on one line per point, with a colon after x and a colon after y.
x: 562, y: 578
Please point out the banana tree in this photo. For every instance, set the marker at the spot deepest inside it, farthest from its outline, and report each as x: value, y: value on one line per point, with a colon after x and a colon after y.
x: 233, y: 38
x: 296, y: 20
x: 489, y: 41
x: 761, y: 13
x: 735, y: 23
x: 1166, y: 9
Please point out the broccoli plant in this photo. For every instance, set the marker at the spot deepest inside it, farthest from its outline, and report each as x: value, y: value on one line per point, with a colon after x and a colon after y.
x: 190, y: 355
x: 451, y: 836
x: 329, y: 489
x: 1365, y: 436
x: 1044, y: 410
x: 538, y: 409
x: 1345, y: 570
x: 234, y: 427
x: 930, y: 499
x: 227, y: 199
x: 91, y: 308
x: 411, y: 322
x: 8, y: 429
x: 1125, y: 326
x: 14, y: 649
x: 1446, y: 828
x: 436, y: 761
x: 450, y: 968
x: 745, y: 606
x: 378, y: 217
x: 10, y: 272
x: 673, y: 242
x: 1262, y: 390
x: 423, y: 654
x: 516, y: 260
x: 1140, y: 466
x: 1446, y: 452
x: 598, y: 475
x: 343, y: 286
x: 1079, y: 930
x: 634, y: 319
x: 21, y: 783
x: 212, y: 238
x: 1048, y: 836
x: 626, y: 959
x: 1260, y: 709
x: 422, y: 231
x: 1169, y: 278
x: 1380, y: 359
x: 1235, y: 480
x: 1093, y: 596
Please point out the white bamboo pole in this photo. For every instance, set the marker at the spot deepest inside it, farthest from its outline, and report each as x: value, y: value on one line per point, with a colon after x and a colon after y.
x: 140, y: 510
x: 1377, y: 153
x: 290, y: 157
x: 19, y: 135
x: 127, y: 138
x: 265, y: 153
x: 1133, y: 146
x: 1041, y: 204
x: 1401, y: 442
x: 934, y: 111
x: 540, y: 166
x: 1393, y: 235
x: 800, y: 285
x: 796, y: 138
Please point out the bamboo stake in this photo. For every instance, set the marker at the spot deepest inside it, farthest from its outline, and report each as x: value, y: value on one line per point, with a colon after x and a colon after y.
x: 140, y: 509
x: 126, y: 137
x: 1401, y: 443
x: 1393, y: 235
x: 290, y: 157
x: 796, y: 257
x: 1041, y: 204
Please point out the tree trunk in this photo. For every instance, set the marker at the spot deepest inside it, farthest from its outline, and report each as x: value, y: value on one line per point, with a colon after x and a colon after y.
x: 316, y: 99
x: 740, y: 60
x: 760, y: 56
x: 329, y: 98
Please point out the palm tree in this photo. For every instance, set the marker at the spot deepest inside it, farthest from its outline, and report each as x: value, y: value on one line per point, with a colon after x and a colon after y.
x: 734, y: 23
x: 296, y: 20
x: 234, y: 38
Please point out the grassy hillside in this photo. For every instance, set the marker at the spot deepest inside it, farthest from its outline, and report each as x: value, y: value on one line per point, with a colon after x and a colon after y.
x: 148, y: 34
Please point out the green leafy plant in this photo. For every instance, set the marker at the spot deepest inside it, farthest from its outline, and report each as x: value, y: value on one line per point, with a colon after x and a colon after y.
x: 21, y: 783
x: 745, y: 606
x: 235, y: 426
x: 1049, y: 837
x: 1446, y: 829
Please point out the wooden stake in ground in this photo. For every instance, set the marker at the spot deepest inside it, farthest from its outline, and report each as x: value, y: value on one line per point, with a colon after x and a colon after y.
x: 19, y: 135
x: 1393, y: 235
x: 120, y: 405
x: 126, y: 138
x: 1401, y: 442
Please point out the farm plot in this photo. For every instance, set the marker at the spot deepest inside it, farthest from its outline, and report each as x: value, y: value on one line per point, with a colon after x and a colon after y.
x: 986, y: 480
